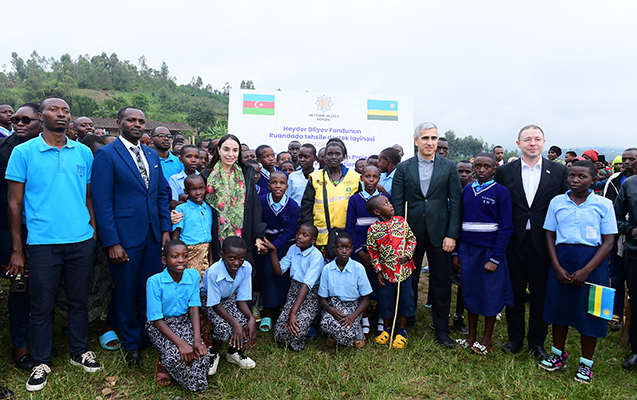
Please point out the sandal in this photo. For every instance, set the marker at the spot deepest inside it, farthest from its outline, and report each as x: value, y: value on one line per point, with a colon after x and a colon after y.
x: 365, y: 326
x: 383, y: 338
x: 266, y: 324
x: 480, y: 349
x: 359, y: 343
x: 163, y: 378
x: 462, y: 344
x: 108, y: 337
x: 399, y: 342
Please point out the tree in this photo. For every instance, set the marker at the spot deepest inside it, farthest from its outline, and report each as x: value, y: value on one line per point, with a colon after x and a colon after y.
x: 201, y: 116
x: 247, y: 85
x: 140, y: 101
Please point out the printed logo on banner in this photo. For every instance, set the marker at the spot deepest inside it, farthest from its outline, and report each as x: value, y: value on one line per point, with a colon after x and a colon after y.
x: 324, y: 103
x: 258, y: 104
x: 382, y: 110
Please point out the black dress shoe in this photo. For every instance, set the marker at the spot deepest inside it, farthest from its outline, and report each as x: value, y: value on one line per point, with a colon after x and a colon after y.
x: 443, y: 339
x: 5, y: 393
x: 511, y: 347
x: 133, y: 358
x: 25, y: 362
x: 630, y: 362
x: 539, y: 352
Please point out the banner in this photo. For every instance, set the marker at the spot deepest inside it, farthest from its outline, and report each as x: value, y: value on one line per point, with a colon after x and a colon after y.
x: 367, y: 124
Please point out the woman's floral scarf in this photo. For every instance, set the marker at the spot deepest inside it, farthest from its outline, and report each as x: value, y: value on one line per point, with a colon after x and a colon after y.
x: 227, y: 195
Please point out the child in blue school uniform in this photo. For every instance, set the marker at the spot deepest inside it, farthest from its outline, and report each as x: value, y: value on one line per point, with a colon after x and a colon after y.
x: 225, y: 293
x: 344, y: 295
x: 357, y: 224
x: 173, y: 321
x: 484, y: 273
x: 265, y: 155
x: 190, y: 159
x: 301, y: 307
x: 281, y: 215
x: 195, y: 226
x: 580, y: 229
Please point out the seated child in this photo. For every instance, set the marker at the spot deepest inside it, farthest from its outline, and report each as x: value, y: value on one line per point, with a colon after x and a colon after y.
x: 301, y: 308
x: 484, y: 273
x: 281, y: 215
x: 195, y: 226
x: 357, y: 224
x: 580, y: 230
x: 229, y: 312
x: 190, y: 159
x: 344, y: 295
x: 393, y: 265
x: 173, y: 321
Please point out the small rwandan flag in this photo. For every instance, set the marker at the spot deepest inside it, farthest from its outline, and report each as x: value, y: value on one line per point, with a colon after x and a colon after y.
x: 258, y: 104
x: 382, y: 110
x: 600, y: 301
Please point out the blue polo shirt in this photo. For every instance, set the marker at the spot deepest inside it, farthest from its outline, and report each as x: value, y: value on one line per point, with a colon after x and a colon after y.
x: 55, y: 182
x: 218, y: 285
x: 348, y: 285
x: 387, y: 180
x: 297, y: 182
x: 170, y: 166
x: 583, y: 224
x: 176, y: 183
x: 305, y: 266
x: 196, y: 224
x: 166, y: 298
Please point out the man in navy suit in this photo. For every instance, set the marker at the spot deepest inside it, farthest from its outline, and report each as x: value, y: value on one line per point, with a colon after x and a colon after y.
x: 133, y: 218
x: 533, y: 181
x: 427, y: 189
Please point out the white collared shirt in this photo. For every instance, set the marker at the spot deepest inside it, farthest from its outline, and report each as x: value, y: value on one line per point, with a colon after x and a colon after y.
x: 128, y: 146
x: 531, y: 181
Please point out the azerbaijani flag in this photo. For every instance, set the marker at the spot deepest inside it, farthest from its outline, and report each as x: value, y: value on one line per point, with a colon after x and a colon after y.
x: 382, y: 110
x: 258, y: 104
x: 600, y: 301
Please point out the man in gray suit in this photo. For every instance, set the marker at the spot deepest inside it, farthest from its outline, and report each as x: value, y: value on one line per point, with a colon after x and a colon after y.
x: 429, y: 186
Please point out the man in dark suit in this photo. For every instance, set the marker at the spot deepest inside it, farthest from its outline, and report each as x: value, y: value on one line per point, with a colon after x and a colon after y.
x: 532, y: 181
x: 133, y: 218
x: 430, y: 186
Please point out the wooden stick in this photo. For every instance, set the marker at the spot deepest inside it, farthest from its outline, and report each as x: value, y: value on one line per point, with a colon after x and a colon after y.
x: 399, y: 281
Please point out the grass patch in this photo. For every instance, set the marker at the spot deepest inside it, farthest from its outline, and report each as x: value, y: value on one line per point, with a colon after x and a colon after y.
x: 421, y: 370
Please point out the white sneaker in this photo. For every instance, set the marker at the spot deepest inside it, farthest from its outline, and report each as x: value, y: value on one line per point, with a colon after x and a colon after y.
x: 37, y: 379
x: 240, y: 359
x: 88, y: 361
x: 214, y: 363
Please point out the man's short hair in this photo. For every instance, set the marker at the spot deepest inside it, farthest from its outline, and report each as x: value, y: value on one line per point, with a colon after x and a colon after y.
x: 310, y: 146
x: 47, y: 98
x: 572, y: 153
x: 529, y: 127
x: 34, y: 106
x: 391, y: 154
x: 497, y: 147
x: 122, y: 111
x: 423, y: 127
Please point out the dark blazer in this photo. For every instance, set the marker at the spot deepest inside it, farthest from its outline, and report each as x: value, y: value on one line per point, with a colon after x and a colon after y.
x: 552, y: 183
x: 253, y: 225
x: 123, y: 206
x: 440, y: 209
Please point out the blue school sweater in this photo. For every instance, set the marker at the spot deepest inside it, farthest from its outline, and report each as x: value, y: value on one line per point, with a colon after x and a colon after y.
x: 358, y: 220
x: 281, y: 225
x: 264, y: 180
x: 487, y: 218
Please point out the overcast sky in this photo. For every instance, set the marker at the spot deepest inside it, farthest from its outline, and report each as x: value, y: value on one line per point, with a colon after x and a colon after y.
x: 484, y: 68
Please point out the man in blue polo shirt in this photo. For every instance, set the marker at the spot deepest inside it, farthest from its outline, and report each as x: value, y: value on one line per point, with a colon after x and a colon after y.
x: 51, y: 176
x: 170, y: 163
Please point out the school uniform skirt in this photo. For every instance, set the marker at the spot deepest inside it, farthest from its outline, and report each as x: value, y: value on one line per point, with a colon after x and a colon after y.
x: 221, y: 329
x: 484, y: 293
x: 331, y: 327
x: 568, y: 305
x: 308, y: 312
x: 194, y: 377
x: 275, y: 288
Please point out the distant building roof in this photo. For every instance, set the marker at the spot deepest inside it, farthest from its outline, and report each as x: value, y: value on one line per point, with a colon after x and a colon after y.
x: 111, y: 124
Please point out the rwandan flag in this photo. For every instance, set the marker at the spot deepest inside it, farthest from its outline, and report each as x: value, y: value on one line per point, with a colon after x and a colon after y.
x: 382, y: 110
x: 600, y: 301
x: 258, y: 104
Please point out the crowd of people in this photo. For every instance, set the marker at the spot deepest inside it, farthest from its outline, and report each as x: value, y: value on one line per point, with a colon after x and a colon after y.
x: 184, y: 247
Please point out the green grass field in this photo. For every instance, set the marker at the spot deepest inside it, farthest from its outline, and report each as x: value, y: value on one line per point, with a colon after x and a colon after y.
x: 421, y: 370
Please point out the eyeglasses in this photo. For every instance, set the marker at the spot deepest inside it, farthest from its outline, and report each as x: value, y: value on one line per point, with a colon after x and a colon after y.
x: 24, y: 120
x: 162, y: 136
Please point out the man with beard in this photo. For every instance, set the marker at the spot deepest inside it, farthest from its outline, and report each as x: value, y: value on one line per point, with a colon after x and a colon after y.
x: 131, y: 209
x: 50, y: 180
x: 170, y: 163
